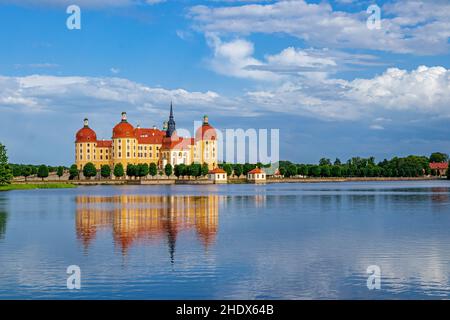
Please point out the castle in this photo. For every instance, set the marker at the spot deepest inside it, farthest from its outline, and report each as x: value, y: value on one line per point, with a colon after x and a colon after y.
x: 136, y: 145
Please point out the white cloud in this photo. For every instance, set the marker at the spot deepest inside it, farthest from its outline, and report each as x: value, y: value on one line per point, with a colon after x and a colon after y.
x: 394, y: 95
x: 424, y: 29
x: 78, y: 94
x: 114, y: 70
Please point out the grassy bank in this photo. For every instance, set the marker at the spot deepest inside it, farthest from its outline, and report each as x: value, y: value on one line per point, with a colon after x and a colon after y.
x: 31, y: 186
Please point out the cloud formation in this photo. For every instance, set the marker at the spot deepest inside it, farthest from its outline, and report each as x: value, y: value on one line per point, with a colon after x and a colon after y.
x: 417, y: 27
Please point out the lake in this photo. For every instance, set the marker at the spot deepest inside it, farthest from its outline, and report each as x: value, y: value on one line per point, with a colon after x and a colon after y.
x: 275, y: 241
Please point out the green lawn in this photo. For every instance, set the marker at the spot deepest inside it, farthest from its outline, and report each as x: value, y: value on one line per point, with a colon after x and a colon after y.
x: 30, y: 186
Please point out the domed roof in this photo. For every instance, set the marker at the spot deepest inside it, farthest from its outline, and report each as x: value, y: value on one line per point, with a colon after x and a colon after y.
x: 206, y: 131
x: 86, y: 134
x: 123, y: 129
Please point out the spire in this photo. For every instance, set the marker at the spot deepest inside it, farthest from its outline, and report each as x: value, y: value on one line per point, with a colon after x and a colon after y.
x: 171, y: 123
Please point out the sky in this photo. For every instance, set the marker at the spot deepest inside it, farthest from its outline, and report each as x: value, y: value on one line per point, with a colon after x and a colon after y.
x: 316, y: 70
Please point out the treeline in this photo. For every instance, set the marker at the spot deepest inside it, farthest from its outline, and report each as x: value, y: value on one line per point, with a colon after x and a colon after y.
x: 142, y: 170
x: 411, y: 166
x: 41, y: 171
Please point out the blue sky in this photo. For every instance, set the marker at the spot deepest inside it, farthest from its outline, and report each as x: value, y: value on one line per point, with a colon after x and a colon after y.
x: 312, y: 69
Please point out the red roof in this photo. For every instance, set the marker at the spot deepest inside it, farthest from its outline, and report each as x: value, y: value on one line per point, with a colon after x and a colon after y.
x: 176, y: 142
x: 104, y: 144
x: 149, y: 136
x: 206, y: 132
x: 438, y: 165
x: 85, y: 134
x: 256, y: 171
x: 217, y: 170
x: 123, y: 130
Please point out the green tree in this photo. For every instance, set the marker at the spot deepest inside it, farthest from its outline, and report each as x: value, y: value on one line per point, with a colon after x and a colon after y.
x: 196, y: 170
x: 153, y: 169
x: 42, y: 172
x: 337, y: 162
x: 324, y: 162
x: 26, y: 172
x: 314, y: 171
x: 142, y: 170
x: 302, y: 170
x: 248, y: 167
x: 325, y: 171
x: 291, y: 170
x: 205, y: 169
x: 73, y: 172
x: 238, y: 169
x: 336, y: 171
x: 438, y: 157
x: 131, y: 170
x: 168, y: 170
x: 118, y: 170
x: 105, y: 171
x: 177, y: 170
x: 228, y: 168
x: 89, y: 170
x: 59, y: 171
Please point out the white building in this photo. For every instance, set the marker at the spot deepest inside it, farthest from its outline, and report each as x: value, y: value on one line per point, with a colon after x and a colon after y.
x: 217, y: 175
x: 257, y: 175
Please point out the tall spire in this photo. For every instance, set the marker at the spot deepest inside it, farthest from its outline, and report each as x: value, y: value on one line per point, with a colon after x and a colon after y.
x: 171, y: 123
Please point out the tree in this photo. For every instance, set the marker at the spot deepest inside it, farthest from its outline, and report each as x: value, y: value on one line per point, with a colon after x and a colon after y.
x: 89, y: 170
x: 205, y: 169
x: 177, y: 171
x: 59, y: 172
x: 105, y: 171
x: 291, y: 170
x: 438, y: 157
x: 228, y: 169
x: 131, y: 170
x: 336, y: 171
x: 118, y: 170
x: 42, y: 172
x: 325, y: 171
x: 238, y: 169
x: 302, y: 170
x: 314, y: 171
x: 26, y: 172
x: 324, y: 162
x: 168, y: 170
x: 337, y: 162
x: 196, y: 170
x: 153, y: 169
x: 142, y: 170
x: 73, y: 172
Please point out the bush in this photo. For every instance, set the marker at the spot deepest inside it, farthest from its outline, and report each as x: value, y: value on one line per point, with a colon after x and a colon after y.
x: 105, y: 171
x: 89, y: 170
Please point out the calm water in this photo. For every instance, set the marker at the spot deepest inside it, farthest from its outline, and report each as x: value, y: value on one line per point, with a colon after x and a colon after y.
x: 292, y: 241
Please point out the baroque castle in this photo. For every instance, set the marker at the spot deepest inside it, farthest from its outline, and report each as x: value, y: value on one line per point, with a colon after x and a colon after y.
x: 136, y: 145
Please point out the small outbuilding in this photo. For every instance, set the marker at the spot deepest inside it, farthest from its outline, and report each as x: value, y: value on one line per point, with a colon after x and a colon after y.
x: 217, y: 175
x: 257, y: 175
x: 439, y: 168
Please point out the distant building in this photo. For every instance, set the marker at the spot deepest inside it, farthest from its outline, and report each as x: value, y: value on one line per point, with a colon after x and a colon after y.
x: 439, y: 167
x: 217, y: 175
x: 136, y: 145
x: 257, y: 175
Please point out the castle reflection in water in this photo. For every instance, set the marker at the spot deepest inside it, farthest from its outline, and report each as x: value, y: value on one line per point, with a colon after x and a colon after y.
x: 147, y: 218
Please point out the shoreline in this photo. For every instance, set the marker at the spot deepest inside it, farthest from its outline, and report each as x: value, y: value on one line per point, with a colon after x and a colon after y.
x: 35, y: 185
x: 50, y: 184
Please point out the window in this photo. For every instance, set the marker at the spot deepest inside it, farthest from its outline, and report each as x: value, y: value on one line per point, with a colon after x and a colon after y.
x: 120, y: 147
x: 101, y: 151
x: 120, y: 154
x: 88, y: 145
x: 150, y: 154
x: 88, y: 157
x: 101, y: 157
x: 81, y: 157
x: 88, y: 150
x: 128, y: 154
